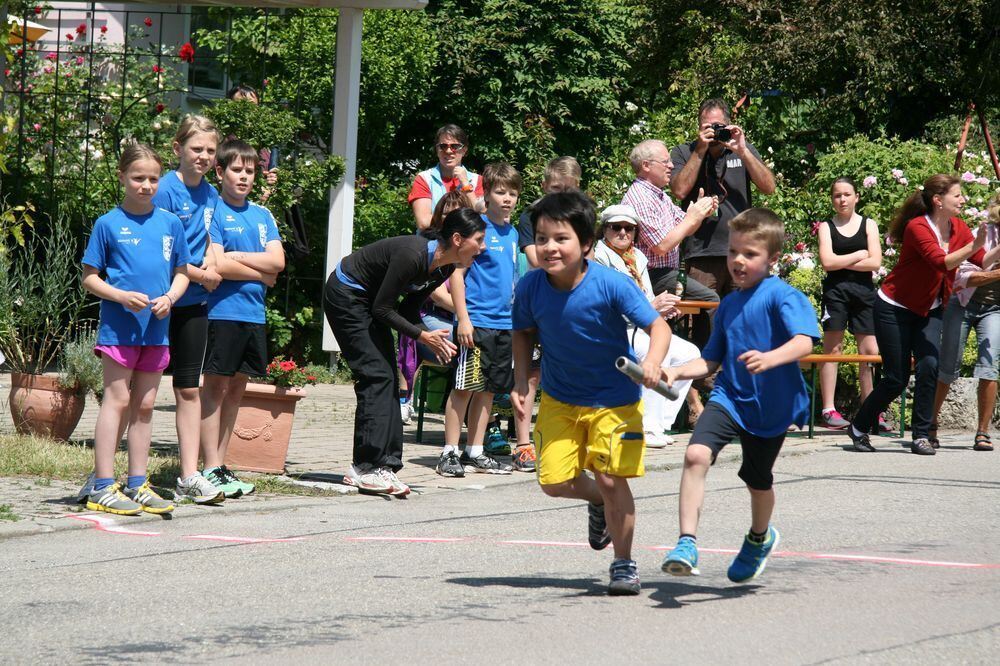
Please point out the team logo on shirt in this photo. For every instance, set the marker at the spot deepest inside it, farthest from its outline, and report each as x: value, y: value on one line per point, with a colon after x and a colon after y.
x: 262, y: 230
x: 168, y: 246
x: 208, y: 217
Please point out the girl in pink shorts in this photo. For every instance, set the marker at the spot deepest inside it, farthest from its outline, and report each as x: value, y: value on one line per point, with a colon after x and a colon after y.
x: 136, y: 263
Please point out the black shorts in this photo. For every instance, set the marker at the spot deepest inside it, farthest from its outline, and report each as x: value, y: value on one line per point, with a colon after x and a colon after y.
x: 236, y: 346
x: 489, y: 365
x: 188, y: 337
x: 848, y: 306
x: 716, y: 428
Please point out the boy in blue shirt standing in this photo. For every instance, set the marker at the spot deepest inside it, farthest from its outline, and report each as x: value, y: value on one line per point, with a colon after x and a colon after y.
x: 482, y: 295
x: 760, y: 332
x: 248, y: 256
x: 590, y: 417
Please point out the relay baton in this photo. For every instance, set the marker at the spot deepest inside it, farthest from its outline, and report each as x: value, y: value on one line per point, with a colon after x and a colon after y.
x: 634, y: 372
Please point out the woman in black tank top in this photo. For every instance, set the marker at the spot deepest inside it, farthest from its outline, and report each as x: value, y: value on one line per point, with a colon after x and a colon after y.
x: 849, y: 250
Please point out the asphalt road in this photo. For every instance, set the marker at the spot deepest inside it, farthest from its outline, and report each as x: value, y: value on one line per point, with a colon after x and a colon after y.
x: 881, y: 562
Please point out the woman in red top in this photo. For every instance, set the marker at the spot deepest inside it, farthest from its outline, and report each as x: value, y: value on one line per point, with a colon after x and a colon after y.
x: 908, y: 306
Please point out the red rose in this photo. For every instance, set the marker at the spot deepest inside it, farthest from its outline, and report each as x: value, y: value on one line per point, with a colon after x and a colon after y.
x: 81, y: 29
x: 20, y: 52
x: 186, y: 53
x: 69, y: 37
x: 149, y: 22
x: 104, y: 29
x: 800, y: 246
x: 157, y: 69
x: 38, y: 10
x: 311, y: 378
x: 159, y: 108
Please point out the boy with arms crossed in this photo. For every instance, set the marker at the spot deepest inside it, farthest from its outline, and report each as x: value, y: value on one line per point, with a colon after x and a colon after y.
x: 591, y: 415
x: 760, y: 332
x: 249, y: 256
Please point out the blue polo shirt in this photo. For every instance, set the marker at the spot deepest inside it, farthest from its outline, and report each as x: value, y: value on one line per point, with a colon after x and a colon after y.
x: 246, y: 229
x: 136, y: 253
x: 195, y: 207
x: 583, y: 332
x: 489, y: 282
x: 762, y: 318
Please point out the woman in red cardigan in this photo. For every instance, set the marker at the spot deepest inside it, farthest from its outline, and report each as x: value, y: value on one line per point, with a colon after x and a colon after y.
x: 909, y: 304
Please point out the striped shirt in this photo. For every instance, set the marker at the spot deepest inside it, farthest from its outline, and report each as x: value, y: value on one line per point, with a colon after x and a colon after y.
x: 658, y: 216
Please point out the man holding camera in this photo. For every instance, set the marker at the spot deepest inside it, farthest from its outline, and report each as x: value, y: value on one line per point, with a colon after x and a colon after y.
x: 723, y: 164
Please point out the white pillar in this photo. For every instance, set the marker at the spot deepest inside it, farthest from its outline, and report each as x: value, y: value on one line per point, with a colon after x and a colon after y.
x: 344, y: 142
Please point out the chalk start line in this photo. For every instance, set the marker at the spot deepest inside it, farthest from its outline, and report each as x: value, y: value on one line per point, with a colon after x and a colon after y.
x: 111, y: 526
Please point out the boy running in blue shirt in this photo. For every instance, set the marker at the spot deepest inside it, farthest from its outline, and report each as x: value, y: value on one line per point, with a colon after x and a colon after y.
x: 590, y: 417
x: 482, y: 295
x: 760, y: 332
x: 249, y: 256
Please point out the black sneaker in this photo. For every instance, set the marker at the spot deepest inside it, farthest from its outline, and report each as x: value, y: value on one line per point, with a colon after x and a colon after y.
x: 597, y: 527
x: 861, y: 442
x: 922, y: 447
x: 484, y: 464
x: 624, y: 578
x: 449, y: 465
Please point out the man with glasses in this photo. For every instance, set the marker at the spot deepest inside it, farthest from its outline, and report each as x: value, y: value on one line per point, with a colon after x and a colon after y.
x: 723, y: 167
x: 451, y: 144
x: 662, y: 225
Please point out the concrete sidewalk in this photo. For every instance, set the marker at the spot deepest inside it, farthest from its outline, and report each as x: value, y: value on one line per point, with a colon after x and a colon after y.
x: 320, y: 450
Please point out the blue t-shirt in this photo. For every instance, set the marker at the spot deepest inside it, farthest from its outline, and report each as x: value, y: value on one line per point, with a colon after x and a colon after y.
x: 583, y: 332
x: 762, y: 318
x: 246, y: 229
x: 489, y: 282
x: 136, y: 253
x: 195, y: 207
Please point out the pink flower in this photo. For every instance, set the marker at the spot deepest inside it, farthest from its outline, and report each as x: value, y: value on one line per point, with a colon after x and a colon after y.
x: 51, y: 56
x: 869, y: 181
x: 897, y: 173
x: 904, y: 181
x: 287, y: 365
x: 37, y: 126
x: 983, y: 180
x: 969, y: 177
x: 48, y: 69
x: 149, y: 22
x: 79, y: 60
x: 800, y: 247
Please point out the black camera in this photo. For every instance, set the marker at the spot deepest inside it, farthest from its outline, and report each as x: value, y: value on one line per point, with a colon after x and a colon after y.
x: 722, y: 133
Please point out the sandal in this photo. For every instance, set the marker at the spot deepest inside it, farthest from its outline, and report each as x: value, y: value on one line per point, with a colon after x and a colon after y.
x: 983, y: 442
x: 932, y: 435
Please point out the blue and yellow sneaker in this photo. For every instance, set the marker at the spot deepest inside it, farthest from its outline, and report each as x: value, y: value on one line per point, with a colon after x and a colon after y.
x: 496, y: 442
x: 752, y: 558
x: 683, y: 559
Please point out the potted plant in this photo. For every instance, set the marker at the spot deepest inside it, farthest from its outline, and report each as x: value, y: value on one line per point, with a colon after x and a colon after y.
x: 259, y: 442
x: 41, y: 296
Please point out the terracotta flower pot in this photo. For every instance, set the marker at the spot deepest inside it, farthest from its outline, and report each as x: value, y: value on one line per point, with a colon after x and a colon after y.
x: 39, y: 406
x: 259, y: 442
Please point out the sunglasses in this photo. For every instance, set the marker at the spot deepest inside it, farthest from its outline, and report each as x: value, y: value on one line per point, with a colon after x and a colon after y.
x: 450, y: 146
x: 618, y: 228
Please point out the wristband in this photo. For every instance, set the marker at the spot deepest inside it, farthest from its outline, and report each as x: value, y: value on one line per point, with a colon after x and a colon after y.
x: 169, y: 299
x: 467, y: 188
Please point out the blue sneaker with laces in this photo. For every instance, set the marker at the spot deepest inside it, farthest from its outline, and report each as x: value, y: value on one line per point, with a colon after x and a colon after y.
x: 683, y: 559
x: 752, y: 558
x: 496, y: 442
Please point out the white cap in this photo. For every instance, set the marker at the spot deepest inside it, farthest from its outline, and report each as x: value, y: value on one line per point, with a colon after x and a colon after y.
x: 620, y: 213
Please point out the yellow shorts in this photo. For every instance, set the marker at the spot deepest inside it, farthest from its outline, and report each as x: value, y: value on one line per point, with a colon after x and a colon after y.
x: 570, y: 439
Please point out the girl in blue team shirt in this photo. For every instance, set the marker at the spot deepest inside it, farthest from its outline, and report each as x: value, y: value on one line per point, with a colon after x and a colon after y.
x: 187, y: 194
x: 142, y: 254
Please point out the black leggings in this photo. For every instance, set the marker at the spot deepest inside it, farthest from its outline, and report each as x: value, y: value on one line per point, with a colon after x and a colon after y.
x: 370, y: 352
x: 902, y: 335
x: 188, y: 336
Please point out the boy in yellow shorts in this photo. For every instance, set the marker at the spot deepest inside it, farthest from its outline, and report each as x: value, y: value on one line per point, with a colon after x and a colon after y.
x: 591, y: 415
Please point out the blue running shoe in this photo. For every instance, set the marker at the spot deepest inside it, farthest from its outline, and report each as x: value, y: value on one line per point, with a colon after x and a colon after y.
x: 496, y: 442
x: 683, y: 559
x: 752, y: 558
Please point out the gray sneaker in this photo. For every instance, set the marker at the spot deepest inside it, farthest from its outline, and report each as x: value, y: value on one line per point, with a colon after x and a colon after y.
x: 484, y: 464
x: 449, y: 465
x: 111, y: 500
x: 199, y: 490
x: 148, y: 500
x: 86, y: 489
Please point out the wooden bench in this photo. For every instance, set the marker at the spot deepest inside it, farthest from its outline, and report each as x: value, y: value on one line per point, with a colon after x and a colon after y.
x: 812, y: 360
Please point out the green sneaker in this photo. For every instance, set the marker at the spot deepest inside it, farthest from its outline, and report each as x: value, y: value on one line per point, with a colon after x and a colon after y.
x: 247, y: 488
x: 218, y: 478
x: 147, y: 498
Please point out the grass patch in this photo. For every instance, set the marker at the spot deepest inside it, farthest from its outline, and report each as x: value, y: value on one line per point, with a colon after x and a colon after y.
x: 46, y: 459
x: 7, y: 513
